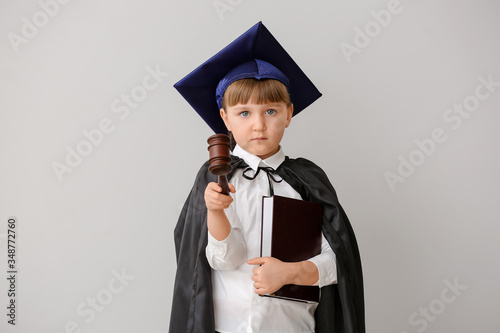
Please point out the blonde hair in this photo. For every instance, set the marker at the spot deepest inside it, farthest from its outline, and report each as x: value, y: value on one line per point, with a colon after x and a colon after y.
x: 266, y: 91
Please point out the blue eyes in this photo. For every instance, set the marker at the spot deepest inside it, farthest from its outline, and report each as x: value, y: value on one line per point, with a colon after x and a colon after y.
x: 269, y: 112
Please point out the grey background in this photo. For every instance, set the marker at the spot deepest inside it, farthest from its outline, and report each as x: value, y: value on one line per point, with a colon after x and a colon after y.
x: 115, y: 212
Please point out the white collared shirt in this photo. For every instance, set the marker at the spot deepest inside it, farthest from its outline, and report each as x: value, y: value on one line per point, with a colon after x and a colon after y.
x: 237, y: 307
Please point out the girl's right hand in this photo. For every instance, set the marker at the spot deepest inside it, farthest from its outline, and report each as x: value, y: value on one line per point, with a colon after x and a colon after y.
x: 215, y: 200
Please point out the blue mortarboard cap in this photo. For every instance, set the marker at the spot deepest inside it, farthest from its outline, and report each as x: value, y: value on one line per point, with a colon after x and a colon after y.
x: 255, y: 54
x: 257, y: 69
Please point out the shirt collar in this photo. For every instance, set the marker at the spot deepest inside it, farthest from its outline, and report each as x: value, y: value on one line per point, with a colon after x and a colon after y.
x: 254, y: 161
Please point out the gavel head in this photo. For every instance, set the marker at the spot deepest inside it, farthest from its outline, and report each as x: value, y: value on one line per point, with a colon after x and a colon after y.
x: 220, y: 159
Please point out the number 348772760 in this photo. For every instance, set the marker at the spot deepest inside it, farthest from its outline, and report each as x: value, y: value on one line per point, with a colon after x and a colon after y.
x: 11, y: 244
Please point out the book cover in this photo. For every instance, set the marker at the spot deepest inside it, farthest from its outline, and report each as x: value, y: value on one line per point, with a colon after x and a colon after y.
x: 291, y: 232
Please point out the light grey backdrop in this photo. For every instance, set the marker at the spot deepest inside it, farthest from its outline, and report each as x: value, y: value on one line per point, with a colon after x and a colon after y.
x: 99, y: 151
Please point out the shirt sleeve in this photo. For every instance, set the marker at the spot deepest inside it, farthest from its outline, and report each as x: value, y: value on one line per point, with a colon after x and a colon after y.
x: 327, y: 265
x: 229, y: 253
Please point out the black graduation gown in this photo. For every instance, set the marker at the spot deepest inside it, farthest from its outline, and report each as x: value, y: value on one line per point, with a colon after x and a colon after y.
x: 341, y: 308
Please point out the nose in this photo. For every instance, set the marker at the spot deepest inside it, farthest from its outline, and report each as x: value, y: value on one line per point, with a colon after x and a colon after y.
x: 259, y: 123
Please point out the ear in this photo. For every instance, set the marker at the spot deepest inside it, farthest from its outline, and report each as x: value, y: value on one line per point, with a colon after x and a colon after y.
x: 289, y: 115
x: 223, y: 115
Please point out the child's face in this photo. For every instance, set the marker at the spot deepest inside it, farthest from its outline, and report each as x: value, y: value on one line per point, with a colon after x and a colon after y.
x: 258, y: 128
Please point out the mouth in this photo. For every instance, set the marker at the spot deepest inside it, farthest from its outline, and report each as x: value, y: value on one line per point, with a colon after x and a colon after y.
x: 259, y: 139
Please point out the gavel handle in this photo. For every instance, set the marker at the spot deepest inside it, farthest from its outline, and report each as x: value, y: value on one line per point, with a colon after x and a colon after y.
x: 224, y: 184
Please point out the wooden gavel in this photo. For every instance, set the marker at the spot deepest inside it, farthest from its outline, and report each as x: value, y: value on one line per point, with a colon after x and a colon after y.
x: 220, y: 159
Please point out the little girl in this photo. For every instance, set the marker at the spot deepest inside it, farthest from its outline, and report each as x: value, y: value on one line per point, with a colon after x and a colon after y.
x: 220, y: 273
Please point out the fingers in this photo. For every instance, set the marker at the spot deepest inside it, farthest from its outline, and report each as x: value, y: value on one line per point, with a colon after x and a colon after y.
x: 217, y: 188
x: 262, y: 289
x: 255, y: 272
x: 214, y: 187
x: 268, y: 274
x: 215, y: 200
x: 257, y: 261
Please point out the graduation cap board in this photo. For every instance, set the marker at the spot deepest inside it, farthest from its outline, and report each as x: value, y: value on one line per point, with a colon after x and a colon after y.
x: 255, y: 54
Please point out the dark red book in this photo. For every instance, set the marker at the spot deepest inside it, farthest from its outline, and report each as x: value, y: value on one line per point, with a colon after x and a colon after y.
x: 291, y: 232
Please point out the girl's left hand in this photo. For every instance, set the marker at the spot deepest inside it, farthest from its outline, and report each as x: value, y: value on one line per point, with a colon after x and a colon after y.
x: 270, y: 276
